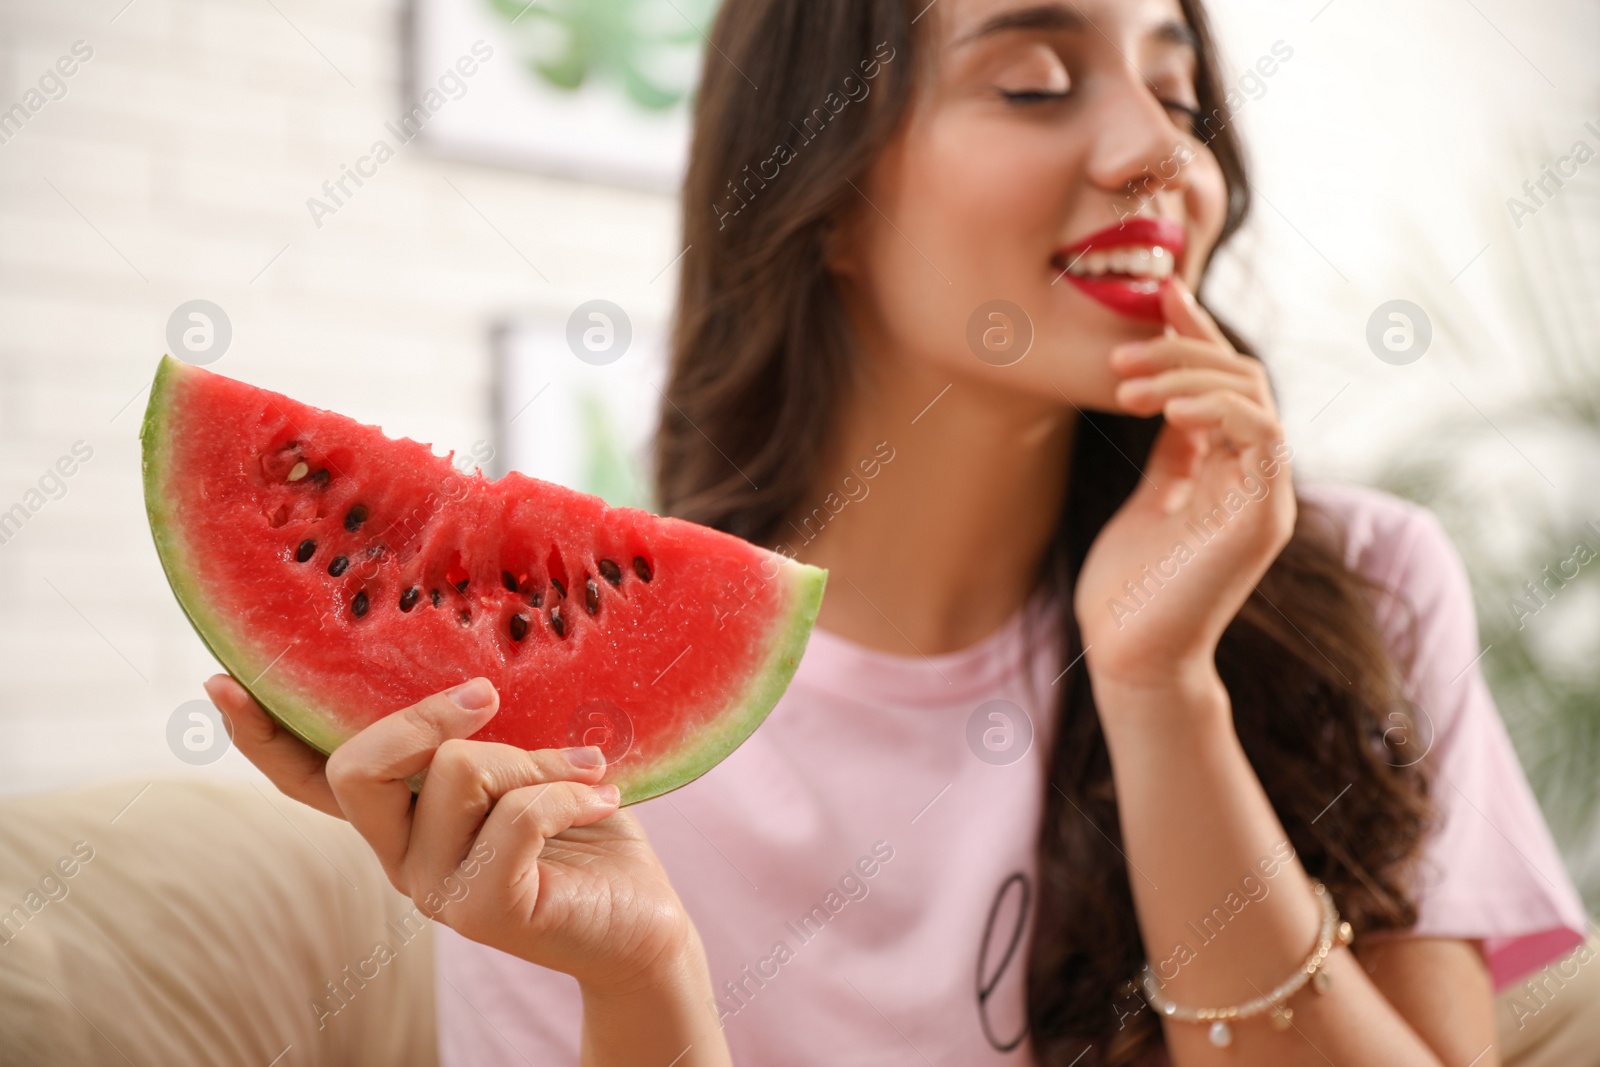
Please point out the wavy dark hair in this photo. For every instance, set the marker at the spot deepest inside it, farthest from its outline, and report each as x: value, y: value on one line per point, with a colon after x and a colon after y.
x: 761, y: 352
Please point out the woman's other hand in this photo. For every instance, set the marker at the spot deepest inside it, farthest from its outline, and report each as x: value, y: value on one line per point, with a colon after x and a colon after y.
x: 1212, y: 511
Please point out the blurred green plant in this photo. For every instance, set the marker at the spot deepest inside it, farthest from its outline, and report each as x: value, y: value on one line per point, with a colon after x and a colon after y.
x: 640, y: 44
x: 1544, y: 670
x: 608, y: 471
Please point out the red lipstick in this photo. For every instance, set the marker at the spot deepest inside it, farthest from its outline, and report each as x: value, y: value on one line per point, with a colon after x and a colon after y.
x: 1134, y: 295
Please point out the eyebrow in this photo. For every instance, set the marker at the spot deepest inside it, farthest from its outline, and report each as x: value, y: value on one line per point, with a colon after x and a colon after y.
x: 1060, y: 17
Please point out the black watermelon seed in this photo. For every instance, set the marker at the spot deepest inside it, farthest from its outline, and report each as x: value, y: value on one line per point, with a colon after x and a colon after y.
x: 642, y: 568
x: 465, y: 617
x: 519, y: 627
x: 537, y: 600
x: 338, y: 565
x: 355, y: 517
x: 611, y: 572
x: 557, y: 623
x: 560, y: 589
x: 591, y: 596
x: 306, y: 550
x: 408, y: 599
x: 318, y: 478
x: 359, y: 605
x: 508, y: 580
x: 434, y: 595
x: 461, y: 586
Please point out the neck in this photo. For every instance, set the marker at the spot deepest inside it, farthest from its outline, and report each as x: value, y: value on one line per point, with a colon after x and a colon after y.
x: 932, y: 520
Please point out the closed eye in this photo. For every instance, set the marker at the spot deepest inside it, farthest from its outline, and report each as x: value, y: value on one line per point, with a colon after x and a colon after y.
x: 1024, y: 97
x: 1032, y: 96
x: 1194, y: 123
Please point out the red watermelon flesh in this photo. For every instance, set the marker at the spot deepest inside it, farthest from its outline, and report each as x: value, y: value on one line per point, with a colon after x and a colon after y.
x: 340, y: 575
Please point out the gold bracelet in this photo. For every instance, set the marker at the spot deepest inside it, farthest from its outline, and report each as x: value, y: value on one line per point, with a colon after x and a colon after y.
x: 1333, y: 932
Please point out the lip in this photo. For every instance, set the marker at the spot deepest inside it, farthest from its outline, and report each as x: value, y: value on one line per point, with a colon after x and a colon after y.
x: 1119, y: 294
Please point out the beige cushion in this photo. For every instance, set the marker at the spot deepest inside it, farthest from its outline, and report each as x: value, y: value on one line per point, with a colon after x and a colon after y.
x: 1552, y: 1017
x: 209, y: 917
x: 199, y: 925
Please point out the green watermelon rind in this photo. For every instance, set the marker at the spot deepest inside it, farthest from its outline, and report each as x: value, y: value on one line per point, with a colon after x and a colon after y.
x: 309, y: 725
x: 722, y: 733
x: 727, y: 731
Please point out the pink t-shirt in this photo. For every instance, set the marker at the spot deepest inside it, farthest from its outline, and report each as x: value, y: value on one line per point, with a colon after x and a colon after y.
x: 857, y: 869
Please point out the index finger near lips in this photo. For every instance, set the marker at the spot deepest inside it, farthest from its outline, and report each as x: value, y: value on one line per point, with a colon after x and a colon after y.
x: 368, y: 773
x: 1135, y: 358
x: 1182, y: 310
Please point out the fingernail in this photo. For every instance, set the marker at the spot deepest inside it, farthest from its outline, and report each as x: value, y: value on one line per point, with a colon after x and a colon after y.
x: 474, y: 695
x: 608, y: 794
x: 584, y: 757
x: 213, y: 693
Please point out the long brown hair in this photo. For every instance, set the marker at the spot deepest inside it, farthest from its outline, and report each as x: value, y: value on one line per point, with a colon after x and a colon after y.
x: 761, y: 354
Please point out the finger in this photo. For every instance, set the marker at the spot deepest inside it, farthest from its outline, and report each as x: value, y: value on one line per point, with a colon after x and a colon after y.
x: 1146, y: 396
x: 1245, y: 424
x: 1183, y: 312
x: 1170, y: 468
x: 368, y: 772
x: 465, y: 780
x: 293, y: 766
x: 1153, y: 355
x: 524, y: 819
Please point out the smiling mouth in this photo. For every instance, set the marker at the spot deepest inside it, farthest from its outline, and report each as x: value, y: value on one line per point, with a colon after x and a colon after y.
x: 1140, y: 266
x: 1123, y: 266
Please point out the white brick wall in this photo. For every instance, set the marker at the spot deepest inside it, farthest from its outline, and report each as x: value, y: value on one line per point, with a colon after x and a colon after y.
x: 191, y: 140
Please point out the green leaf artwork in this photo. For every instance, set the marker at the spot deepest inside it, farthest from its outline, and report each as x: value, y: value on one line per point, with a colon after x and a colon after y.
x: 648, y: 48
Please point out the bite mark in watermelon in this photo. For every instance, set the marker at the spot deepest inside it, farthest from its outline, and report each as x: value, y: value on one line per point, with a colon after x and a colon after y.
x: 340, y: 575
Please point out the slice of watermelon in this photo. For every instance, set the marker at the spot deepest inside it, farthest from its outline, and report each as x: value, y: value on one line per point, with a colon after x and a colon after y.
x: 340, y: 576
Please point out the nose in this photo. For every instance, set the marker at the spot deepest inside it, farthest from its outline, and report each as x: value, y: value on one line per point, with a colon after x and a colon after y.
x: 1137, y: 149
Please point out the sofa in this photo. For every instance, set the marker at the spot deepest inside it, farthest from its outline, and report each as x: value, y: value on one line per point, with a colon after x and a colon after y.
x: 192, y: 921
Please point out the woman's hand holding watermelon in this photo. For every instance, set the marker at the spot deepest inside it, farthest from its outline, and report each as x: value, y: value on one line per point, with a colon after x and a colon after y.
x: 523, y: 851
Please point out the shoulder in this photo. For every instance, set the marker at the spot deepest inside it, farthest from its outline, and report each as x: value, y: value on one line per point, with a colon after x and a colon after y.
x: 1402, y: 548
x: 1489, y: 870
x: 1380, y: 531
x: 1422, y: 603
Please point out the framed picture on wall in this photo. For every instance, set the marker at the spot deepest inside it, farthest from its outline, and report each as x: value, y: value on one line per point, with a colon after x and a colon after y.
x: 577, y: 399
x: 591, y: 89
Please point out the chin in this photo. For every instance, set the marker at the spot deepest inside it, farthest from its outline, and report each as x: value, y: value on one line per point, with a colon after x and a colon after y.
x: 1076, y: 373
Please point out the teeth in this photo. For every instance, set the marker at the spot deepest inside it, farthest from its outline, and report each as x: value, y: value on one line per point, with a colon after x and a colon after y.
x: 1141, y: 261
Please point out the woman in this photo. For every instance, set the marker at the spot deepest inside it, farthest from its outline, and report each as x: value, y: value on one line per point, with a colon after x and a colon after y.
x: 1097, y: 691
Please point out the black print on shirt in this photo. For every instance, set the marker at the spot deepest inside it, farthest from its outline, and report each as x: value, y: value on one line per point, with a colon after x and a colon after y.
x: 987, y: 986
